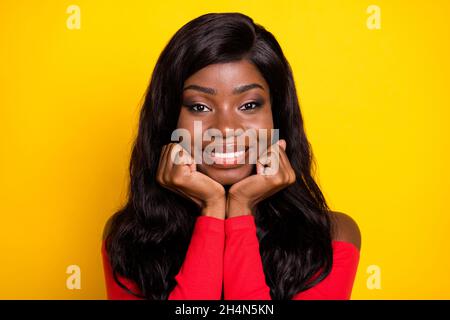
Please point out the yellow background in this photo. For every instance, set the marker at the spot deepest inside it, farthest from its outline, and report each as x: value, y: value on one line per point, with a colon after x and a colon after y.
x: 375, y: 103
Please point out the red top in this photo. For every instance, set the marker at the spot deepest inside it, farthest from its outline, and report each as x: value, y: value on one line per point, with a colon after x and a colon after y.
x: 226, y: 251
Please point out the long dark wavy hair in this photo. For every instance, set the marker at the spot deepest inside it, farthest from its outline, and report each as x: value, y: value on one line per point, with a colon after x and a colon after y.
x: 147, y: 239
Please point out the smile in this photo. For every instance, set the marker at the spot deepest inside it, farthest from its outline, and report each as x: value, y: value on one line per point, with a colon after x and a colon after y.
x: 226, y: 159
x: 229, y: 155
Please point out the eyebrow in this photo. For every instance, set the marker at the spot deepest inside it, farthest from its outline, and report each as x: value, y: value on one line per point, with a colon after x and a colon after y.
x: 237, y: 90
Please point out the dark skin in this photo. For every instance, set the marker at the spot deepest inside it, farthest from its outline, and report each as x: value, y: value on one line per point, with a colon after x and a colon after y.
x: 232, y: 96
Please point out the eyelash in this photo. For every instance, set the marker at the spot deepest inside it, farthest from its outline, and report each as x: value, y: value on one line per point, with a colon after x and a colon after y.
x: 256, y: 103
x: 192, y: 106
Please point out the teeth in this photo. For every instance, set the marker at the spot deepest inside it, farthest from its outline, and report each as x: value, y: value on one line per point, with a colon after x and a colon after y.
x: 227, y: 155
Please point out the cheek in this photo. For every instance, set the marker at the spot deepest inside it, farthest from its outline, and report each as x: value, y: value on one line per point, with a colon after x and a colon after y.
x: 265, y: 123
x: 184, y: 120
x: 264, y: 120
x: 269, y: 120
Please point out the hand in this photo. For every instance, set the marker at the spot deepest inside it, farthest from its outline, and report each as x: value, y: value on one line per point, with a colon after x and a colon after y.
x: 177, y: 172
x: 273, y: 173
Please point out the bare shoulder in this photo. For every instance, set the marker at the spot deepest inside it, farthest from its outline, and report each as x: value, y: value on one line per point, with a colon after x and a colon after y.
x: 345, y: 228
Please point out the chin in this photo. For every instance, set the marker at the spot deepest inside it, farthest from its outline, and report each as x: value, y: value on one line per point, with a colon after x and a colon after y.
x: 227, y: 176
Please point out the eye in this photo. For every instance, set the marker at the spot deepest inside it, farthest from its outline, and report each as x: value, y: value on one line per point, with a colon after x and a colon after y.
x: 250, y: 106
x: 198, y: 108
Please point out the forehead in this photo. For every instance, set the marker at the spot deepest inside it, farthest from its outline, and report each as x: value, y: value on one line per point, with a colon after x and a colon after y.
x: 224, y: 77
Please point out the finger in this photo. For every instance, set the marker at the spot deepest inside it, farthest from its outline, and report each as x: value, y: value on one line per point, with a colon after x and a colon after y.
x: 273, y: 165
x: 266, y: 160
x: 187, y: 157
x: 181, y: 156
x: 282, y: 144
x: 173, y: 160
x: 182, y: 162
x: 168, y: 164
x: 265, y: 156
x: 259, y: 168
x: 175, y: 155
x: 193, y: 165
x: 280, y: 148
x: 285, y: 168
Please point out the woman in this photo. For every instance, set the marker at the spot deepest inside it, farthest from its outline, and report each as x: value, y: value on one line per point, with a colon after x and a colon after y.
x: 224, y: 230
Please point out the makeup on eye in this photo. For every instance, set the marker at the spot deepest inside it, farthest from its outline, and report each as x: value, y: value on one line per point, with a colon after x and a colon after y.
x: 196, y: 105
x: 255, y: 103
x: 200, y: 107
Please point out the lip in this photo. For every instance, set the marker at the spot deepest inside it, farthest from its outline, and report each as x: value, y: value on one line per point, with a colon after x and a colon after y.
x: 225, y: 161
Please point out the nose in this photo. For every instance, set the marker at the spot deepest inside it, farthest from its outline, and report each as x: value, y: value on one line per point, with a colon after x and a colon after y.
x: 229, y: 125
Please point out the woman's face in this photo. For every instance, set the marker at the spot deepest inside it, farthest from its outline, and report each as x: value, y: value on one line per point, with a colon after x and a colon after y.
x: 226, y: 96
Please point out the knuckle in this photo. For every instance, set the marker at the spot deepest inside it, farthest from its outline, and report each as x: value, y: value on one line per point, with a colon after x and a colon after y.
x: 293, y: 177
x: 166, y: 178
x: 277, y: 179
x: 160, y: 180
x: 177, y: 181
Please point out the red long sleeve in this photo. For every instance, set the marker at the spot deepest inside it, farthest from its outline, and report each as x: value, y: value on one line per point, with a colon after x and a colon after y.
x: 243, y: 271
x: 243, y: 276
x: 201, y: 274
x: 229, y: 250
